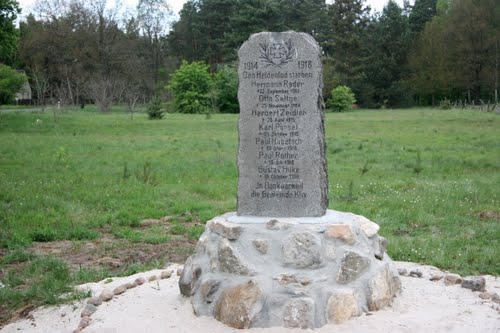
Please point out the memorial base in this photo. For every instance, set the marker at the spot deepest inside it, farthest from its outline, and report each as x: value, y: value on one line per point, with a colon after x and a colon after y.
x: 289, y: 272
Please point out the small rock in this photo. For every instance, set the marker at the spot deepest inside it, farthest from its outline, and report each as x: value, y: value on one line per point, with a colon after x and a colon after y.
x: 415, y: 273
x: 495, y: 298
x: 179, y: 271
x: 369, y: 228
x: 260, y: 245
x: 140, y: 281
x: 402, y: 271
x: 88, y: 310
x: 285, y: 279
x: 106, y: 295
x: 130, y: 285
x: 382, y: 288
x: 230, y: 260
x: 94, y: 301
x: 235, y: 306
x: 475, y: 283
x: 380, y: 247
x: 152, y: 278
x: 165, y: 275
x: 120, y: 289
x: 301, y: 250
x: 341, y: 306
x: 451, y: 278
x: 341, y: 231
x: 277, y: 225
x: 189, y: 278
x: 485, y: 295
x: 229, y: 230
x: 84, y: 322
x: 351, y: 267
x: 436, y: 277
x: 299, y: 312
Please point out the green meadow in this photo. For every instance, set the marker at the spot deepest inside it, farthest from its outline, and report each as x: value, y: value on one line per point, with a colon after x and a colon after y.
x: 430, y: 178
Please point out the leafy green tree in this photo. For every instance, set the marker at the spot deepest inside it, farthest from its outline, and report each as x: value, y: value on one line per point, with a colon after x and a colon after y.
x: 226, y: 89
x: 215, y: 24
x: 330, y: 77
x: 457, y: 55
x: 200, y: 34
x: 185, y: 40
x: 386, y: 64
x: 154, y: 19
x: 191, y: 85
x: 422, y: 11
x: 430, y: 68
x: 9, y: 36
x: 212, y: 30
x: 442, y: 6
x: 342, y: 41
x: 10, y: 83
x: 76, y: 51
x: 473, y: 34
x: 253, y: 16
x: 303, y: 15
x: 342, y: 99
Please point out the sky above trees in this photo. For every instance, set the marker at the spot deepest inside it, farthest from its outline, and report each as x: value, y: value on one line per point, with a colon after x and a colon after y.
x: 27, y: 5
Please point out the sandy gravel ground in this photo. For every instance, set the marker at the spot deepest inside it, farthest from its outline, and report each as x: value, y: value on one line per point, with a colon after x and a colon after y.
x: 157, y: 306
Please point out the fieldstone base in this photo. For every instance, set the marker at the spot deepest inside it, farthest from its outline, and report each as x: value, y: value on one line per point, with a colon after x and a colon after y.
x: 289, y: 272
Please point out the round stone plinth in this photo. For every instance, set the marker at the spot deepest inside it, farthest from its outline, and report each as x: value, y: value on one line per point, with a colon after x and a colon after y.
x: 280, y: 272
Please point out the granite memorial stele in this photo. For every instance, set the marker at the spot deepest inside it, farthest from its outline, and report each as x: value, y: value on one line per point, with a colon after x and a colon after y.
x: 281, y: 158
x: 284, y: 259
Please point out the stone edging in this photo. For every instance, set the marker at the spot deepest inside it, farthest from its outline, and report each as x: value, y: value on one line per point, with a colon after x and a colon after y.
x: 474, y: 283
x: 107, y: 295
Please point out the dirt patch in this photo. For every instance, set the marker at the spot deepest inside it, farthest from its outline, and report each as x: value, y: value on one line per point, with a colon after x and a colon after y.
x: 113, y: 254
x: 489, y: 214
x: 110, y: 254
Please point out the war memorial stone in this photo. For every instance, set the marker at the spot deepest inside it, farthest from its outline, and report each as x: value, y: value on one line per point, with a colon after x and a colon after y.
x: 281, y: 158
x: 283, y: 259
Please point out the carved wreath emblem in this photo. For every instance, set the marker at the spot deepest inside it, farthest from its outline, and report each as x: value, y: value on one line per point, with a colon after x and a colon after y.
x: 276, y: 54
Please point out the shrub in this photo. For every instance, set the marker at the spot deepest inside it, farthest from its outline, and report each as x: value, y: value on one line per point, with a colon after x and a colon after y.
x: 155, y: 109
x: 342, y: 99
x: 191, y: 85
x: 10, y: 83
x: 226, y: 89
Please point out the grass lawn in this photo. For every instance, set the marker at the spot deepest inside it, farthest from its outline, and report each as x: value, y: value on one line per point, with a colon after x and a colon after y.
x: 77, y: 186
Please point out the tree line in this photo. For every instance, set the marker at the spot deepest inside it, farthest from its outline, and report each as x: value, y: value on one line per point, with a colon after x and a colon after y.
x: 79, y: 51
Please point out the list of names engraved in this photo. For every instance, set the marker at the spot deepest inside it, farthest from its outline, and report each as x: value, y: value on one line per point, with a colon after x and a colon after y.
x: 281, y: 154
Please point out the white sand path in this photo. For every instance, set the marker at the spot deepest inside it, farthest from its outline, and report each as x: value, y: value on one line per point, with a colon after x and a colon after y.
x: 423, y: 306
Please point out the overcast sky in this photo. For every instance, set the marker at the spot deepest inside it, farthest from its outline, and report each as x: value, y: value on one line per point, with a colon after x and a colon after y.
x: 176, y: 5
